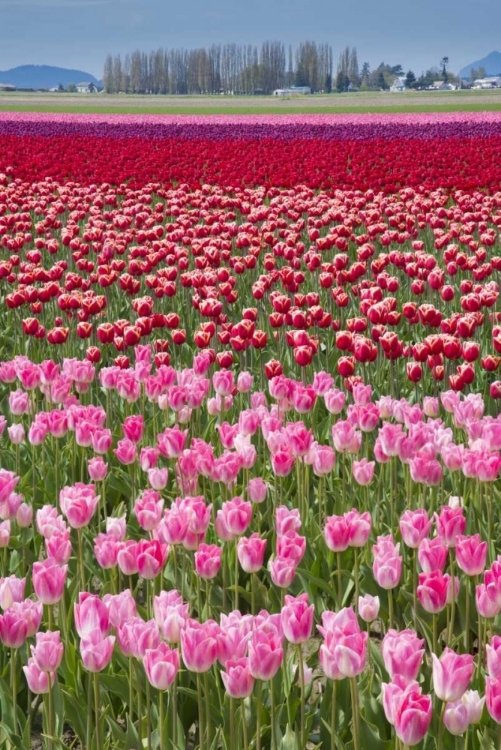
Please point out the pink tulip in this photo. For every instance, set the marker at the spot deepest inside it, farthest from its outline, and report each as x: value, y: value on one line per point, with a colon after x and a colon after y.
x: 363, y: 471
x: 199, y: 645
x: 244, y: 382
x: 286, y: 520
x: 493, y: 697
x: 334, y: 401
x: 106, y: 547
x: 456, y: 718
x: 236, y: 515
x: 158, y: 478
x: 488, y: 600
x: 451, y: 524
x: 257, y: 489
x: 16, y: 434
x: 387, y: 566
x: 402, y: 653
x: 250, y: 552
x: 171, y: 441
x: 97, y: 469
x: 96, y: 652
x: 24, y: 516
x: 475, y: 705
x: 282, y: 462
x: 282, y: 571
x: 39, y: 682
x: 368, y: 607
x: 171, y: 614
x: 359, y: 526
x: 414, y: 527
x: 148, y: 509
x: 58, y: 547
x: 161, y: 666
x: 48, y: 652
x: 48, y: 580
x: 78, y: 504
x: 121, y: 607
x: 471, y: 554
x: 116, y: 527
x: 265, y: 654
x: 238, y: 679
x: 432, y: 554
x: 148, y: 458
x: 324, y: 459
x: 413, y: 715
x: 135, y: 636
x: 8, y: 482
x: 493, y: 653
x: 208, y: 560
x: 223, y: 382
x: 392, y: 694
x: 126, y: 451
x: 346, y: 438
x: 297, y: 619
x: 451, y: 674
x: 31, y: 612
x: 91, y: 615
x: 127, y: 557
x: 11, y: 590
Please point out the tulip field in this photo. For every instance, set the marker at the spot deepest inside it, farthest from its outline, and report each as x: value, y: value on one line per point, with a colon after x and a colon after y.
x: 250, y: 432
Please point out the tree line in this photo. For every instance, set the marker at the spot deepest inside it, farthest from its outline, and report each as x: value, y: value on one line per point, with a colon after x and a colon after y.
x: 227, y: 68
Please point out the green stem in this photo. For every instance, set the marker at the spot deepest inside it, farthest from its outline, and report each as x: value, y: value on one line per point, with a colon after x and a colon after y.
x: 236, y: 576
x: 303, y: 702
x: 467, y: 617
x: 96, y: 709
x: 50, y: 717
x: 274, y: 742
x: 232, y: 724
x: 148, y: 714
x: 258, y: 714
x: 13, y: 684
x: 161, y: 712
x: 441, y: 727
x: 81, y: 560
x: 390, y: 607
x: 88, y: 731
x: 244, y: 725
x: 354, y: 703
x: 131, y: 689
x: 174, y: 712
x: 339, y: 581
x: 207, y: 709
x: 450, y: 634
x: 200, y: 712
x: 333, y: 716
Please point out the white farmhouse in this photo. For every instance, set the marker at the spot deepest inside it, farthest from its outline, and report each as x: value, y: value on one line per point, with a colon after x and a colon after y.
x: 398, y: 85
x: 86, y: 87
x: 490, y: 82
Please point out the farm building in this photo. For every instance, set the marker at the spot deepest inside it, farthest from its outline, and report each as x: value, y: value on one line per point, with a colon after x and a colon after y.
x: 490, y: 82
x: 87, y: 87
x: 398, y: 85
x: 7, y: 87
x: 292, y: 90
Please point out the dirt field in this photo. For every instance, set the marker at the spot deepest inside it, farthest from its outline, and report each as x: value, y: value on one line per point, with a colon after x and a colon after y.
x: 357, y: 102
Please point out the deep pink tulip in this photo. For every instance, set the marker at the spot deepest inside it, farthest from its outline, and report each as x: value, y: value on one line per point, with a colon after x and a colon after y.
x: 297, y: 619
x: 237, y: 678
x: 471, y: 554
x: 237, y: 515
x: 387, y: 566
x: 48, y: 580
x: 199, y: 645
x: 336, y: 533
x: 359, y: 526
x: 151, y: 557
x: 282, y: 461
x: 13, y: 627
x: 171, y: 441
x: 291, y: 546
x: 133, y: 428
x: 58, y: 547
x: 208, y: 560
x: 161, y: 666
x: 433, y: 590
x: 392, y: 693
x: 451, y: 674
x: 126, y: 451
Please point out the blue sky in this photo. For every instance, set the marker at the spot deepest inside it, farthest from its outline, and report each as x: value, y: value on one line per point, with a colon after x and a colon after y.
x: 79, y: 33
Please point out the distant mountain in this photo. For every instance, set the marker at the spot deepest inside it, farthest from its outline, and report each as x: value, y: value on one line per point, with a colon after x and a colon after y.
x: 44, y: 76
x: 491, y: 63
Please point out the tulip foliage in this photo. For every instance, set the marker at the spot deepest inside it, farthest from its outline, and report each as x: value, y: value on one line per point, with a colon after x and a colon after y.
x: 250, y: 440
